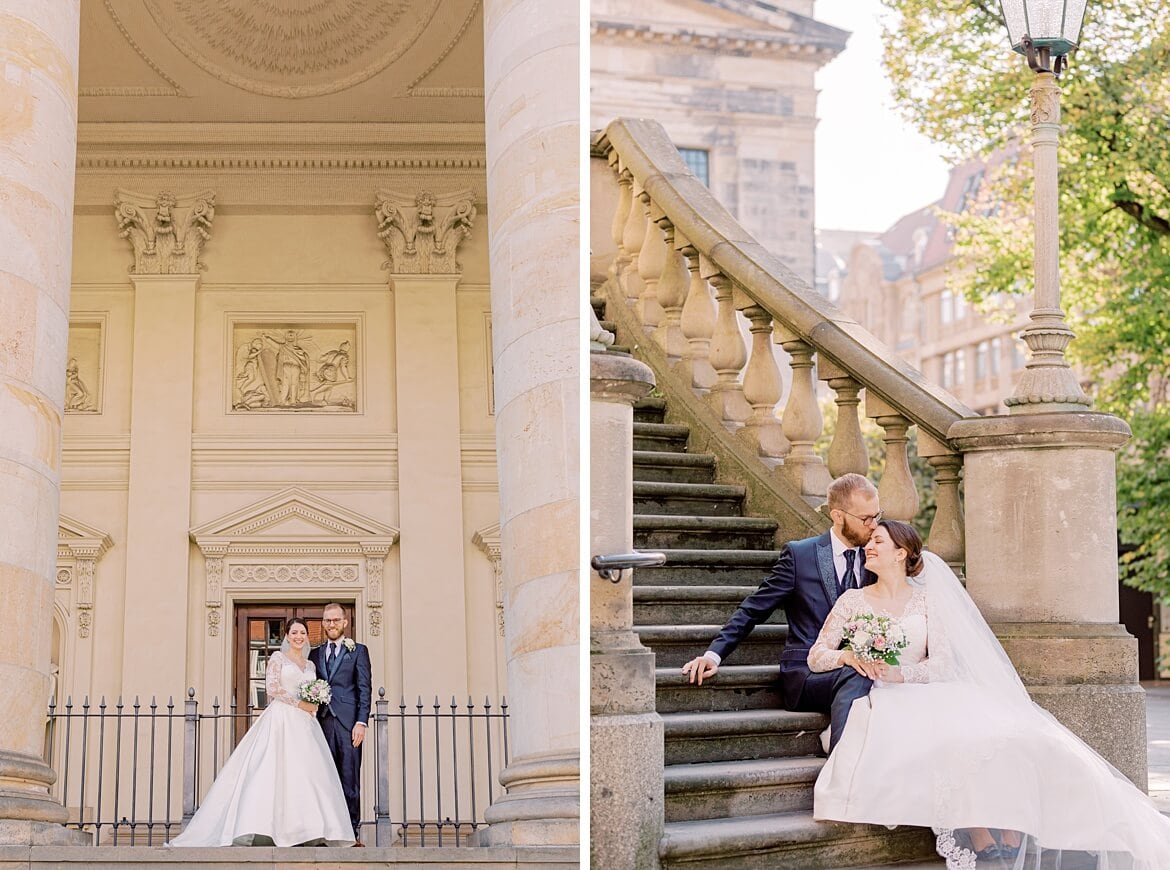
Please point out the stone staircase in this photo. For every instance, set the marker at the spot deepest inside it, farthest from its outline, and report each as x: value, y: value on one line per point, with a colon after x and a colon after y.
x: 739, y: 768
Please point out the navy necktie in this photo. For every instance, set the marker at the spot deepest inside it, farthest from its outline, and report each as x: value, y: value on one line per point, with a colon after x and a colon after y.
x: 329, y: 654
x: 849, y: 580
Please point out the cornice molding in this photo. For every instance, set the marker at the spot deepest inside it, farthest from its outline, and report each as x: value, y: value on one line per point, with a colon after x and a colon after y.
x: 795, y: 45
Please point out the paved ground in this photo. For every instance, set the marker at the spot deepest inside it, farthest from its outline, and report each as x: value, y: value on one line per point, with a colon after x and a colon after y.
x: 1158, y: 746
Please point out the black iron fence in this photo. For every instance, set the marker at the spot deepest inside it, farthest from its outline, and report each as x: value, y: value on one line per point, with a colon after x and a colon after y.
x: 133, y: 773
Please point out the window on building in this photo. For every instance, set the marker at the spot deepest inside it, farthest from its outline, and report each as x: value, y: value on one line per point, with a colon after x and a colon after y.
x: 996, y: 353
x: 960, y: 306
x: 970, y: 190
x: 960, y: 366
x: 948, y: 371
x: 981, y: 354
x: 698, y: 161
x: 947, y: 306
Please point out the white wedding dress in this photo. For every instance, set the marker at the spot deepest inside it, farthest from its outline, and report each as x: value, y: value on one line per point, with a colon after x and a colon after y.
x: 279, y: 784
x: 960, y: 744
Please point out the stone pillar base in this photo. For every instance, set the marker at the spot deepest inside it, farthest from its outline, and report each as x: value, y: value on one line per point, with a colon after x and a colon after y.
x: 542, y: 807
x: 1085, y: 674
x: 26, y: 832
x: 626, y: 793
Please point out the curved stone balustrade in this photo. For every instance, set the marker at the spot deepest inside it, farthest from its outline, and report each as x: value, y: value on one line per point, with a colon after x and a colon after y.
x: 685, y: 271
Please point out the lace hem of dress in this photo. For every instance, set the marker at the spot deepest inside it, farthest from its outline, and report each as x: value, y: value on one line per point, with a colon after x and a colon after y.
x: 957, y: 857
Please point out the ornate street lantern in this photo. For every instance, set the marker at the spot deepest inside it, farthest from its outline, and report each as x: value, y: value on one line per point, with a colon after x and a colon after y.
x: 1043, y: 30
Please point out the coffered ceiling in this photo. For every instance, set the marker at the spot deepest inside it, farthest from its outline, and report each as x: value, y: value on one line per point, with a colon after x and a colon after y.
x: 302, y: 61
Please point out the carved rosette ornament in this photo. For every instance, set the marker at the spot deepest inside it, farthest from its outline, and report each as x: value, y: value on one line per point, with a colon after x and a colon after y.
x: 166, y: 232
x: 423, y: 231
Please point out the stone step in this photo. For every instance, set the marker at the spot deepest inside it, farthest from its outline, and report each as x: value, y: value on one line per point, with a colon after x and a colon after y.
x: 690, y: 605
x: 724, y: 789
x: 667, y: 467
x: 686, y: 567
x: 649, y: 410
x: 664, y: 531
x: 788, y: 840
x: 734, y: 687
x: 740, y: 735
x: 688, y: 499
x: 661, y: 436
x: 675, y: 645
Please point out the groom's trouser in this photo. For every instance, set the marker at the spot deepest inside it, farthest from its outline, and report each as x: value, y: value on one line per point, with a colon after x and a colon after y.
x: 349, y: 766
x: 832, y: 692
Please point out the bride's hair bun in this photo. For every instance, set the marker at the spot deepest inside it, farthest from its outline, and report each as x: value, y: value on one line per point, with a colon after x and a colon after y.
x: 905, y: 537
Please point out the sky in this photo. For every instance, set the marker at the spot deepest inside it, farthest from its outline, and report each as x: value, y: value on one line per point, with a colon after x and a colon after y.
x: 871, y: 167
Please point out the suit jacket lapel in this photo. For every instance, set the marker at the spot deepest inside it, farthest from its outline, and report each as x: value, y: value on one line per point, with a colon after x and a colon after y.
x: 826, y: 570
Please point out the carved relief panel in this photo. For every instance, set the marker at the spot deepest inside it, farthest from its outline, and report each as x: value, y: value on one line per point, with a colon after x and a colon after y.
x: 83, y: 369
x: 294, y: 366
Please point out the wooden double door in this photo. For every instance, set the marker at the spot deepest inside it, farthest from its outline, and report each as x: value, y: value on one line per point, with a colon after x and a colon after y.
x: 259, y: 633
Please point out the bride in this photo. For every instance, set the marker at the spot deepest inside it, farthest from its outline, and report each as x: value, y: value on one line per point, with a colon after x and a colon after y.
x: 949, y: 738
x: 279, y: 787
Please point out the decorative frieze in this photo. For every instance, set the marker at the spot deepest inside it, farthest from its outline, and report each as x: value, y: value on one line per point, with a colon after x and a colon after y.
x: 166, y: 232
x: 292, y: 572
x: 422, y: 231
x: 301, y: 367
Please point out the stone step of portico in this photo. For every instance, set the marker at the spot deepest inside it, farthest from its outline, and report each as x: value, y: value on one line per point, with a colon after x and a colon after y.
x: 717, y: 533
x: 688, y: 499
x: 690, y: 605
x: 740, y: 735
x: 734, y: 687
x: 668, y: 467
x: 724, y: 789
x: 668, y: 437
x: 649, y: 410
x: 287, y: 858
x: 690, y: 567
x: 675, y: 645
x: 788, y: 840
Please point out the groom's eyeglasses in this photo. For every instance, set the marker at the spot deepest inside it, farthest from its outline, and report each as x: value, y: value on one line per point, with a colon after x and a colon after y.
x: 872, y: 518
x: 331, y: 621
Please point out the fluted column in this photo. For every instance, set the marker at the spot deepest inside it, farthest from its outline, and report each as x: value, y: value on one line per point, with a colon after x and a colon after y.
x: 531, y: 52
x: 38, y: 149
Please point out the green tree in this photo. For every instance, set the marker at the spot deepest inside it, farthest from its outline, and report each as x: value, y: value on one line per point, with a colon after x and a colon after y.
x: 956, y: 80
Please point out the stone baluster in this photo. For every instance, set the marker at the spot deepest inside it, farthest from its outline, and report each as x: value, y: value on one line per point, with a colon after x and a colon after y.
x: 651, y: 261
x: 672, y: 292
x: 697, y: 322
x: 847, y: 451
x: 803, y: 421
x: 898, y: 494
x: 762, y: 389
x: 728, y: 353
x: 946, y: 530
x: 633, y: 237
x: 620, y: 216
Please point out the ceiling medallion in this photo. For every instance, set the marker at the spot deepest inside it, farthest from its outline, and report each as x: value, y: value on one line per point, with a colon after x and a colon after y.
x: 292, y: 48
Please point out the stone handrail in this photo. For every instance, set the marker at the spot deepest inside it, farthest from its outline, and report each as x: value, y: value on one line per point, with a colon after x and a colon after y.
x: 671, y: 242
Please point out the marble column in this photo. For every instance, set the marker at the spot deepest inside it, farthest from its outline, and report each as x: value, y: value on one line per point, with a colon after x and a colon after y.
x: 531, y: 52
x: 38, y: 148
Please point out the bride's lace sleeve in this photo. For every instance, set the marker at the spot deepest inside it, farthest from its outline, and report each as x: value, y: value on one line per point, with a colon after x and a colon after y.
x: 276, y: 691
x: 919, y: 673
x: 825, y: 655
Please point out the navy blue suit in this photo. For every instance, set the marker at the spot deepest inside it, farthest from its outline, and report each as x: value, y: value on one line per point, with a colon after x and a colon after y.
x: 804, y: 583
x: 349, y: 680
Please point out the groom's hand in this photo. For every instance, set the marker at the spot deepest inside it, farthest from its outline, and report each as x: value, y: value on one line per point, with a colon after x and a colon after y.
x: 699, y: 668
x: 359, y: 734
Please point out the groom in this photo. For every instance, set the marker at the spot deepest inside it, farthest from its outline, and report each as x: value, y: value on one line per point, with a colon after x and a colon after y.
x: 346, y: 666
x: 806, y: 581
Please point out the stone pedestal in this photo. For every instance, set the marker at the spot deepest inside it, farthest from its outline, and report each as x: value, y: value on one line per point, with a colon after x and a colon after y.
x: 531, y: 52
x: 159, y: 500
x: 625, y: 733
x: 38, y: 148
x: 1041, y: 535
x: 430, y: 484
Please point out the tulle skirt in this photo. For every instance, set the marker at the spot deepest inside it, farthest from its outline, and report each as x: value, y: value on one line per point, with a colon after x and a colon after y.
x: 279, y: 787
x: 952, y: 756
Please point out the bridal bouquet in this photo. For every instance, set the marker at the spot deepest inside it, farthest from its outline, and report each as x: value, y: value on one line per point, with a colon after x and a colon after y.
x: 875, y: 638
x: 315, y: 692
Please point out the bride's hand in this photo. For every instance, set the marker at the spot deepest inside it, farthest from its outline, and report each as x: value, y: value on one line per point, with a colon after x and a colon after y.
x: 872, y: 670
x: 307, y: 707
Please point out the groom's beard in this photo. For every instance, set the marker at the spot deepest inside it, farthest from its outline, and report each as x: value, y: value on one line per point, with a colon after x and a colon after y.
x: 855, y: 539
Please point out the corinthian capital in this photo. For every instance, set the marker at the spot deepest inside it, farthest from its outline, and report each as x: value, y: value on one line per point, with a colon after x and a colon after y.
x: 167, y: 232
x: 422, y: 231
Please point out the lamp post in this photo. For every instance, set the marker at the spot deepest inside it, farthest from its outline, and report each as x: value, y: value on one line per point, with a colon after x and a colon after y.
x: 1045, y: 31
